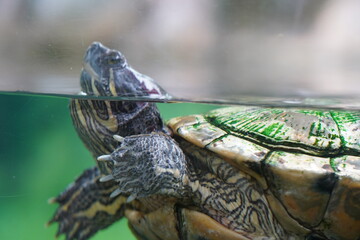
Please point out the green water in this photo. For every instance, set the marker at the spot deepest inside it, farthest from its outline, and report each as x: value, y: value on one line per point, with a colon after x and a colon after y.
x: 40, y: 154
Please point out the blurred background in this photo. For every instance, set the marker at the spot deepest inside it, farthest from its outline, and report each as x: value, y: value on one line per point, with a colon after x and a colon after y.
x: 203, y: 48
x: 194, y: 49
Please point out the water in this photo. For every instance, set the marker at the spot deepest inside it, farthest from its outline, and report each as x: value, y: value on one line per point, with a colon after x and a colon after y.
x: 41, y: 154
x: 335, y: 102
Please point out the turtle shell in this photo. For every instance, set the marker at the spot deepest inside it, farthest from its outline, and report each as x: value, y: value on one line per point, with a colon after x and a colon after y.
x: 307, y: 161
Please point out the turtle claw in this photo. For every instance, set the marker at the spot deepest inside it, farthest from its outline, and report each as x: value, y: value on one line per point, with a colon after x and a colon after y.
x: 118, y: 138
x: 52, y: 200
x: 104, y: 158
x: 131, y: 198
x: 106, y: 178
x: 116, y: 193
x: 50, y: 222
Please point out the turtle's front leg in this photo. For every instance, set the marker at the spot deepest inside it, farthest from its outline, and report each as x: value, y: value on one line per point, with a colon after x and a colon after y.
x: 85, y: 206
x: 146, y: 165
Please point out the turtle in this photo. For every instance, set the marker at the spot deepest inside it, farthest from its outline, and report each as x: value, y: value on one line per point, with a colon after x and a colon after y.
x: 236, y: 172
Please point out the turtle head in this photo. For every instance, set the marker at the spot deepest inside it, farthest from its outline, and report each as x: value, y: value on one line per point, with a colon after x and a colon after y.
x: 107, y: 73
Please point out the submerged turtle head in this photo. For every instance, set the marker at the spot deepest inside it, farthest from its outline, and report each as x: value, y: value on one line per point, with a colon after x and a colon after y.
x: 106, y: 73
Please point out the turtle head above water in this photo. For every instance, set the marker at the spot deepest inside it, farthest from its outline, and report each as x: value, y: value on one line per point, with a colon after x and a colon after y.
x: 106, y: 73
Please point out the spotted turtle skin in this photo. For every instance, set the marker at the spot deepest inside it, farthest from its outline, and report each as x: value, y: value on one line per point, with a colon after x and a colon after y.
x: 233, y: 173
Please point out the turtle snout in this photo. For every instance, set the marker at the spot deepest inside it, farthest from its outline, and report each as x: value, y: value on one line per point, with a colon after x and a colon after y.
x: 92, y: 58
x: 96, y: 49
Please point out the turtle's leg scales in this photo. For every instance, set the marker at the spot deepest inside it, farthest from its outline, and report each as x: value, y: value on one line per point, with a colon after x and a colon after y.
x: 148, y: 164
x: 85, y: 206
